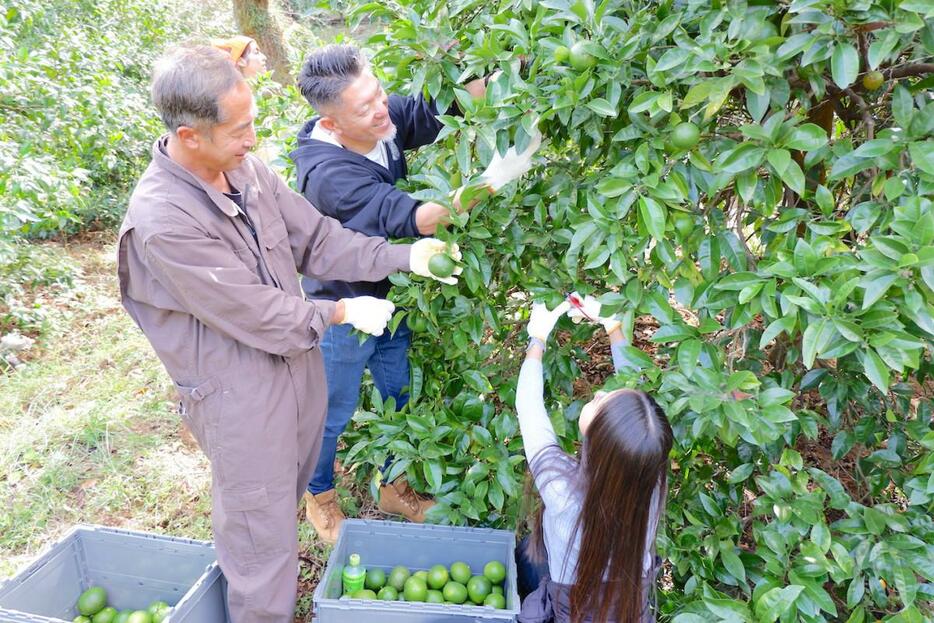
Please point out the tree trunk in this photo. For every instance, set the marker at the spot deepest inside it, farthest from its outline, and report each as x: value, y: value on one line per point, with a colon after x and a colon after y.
x: 255, y: 20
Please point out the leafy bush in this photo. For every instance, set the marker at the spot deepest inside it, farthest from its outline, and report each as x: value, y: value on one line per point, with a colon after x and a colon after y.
x: 77, y: 124
x: 777, y: 279
x: 76, y: 128
x: 24, y: 270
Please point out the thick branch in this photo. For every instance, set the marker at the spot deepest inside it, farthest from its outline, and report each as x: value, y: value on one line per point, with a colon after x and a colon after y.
x: 255, y: 20
x: 863, y: 48
x: 872, y: 26
x: 892, y: 73
x: 912, y: 69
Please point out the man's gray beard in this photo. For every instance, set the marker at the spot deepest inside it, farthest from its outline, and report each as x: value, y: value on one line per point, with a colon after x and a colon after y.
x: 390, y: 133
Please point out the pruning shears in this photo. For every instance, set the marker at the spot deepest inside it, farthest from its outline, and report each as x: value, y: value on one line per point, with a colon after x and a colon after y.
x: 578, y: 304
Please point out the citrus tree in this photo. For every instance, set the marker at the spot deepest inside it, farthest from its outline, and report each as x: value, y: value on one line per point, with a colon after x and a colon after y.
x: 749, y: 185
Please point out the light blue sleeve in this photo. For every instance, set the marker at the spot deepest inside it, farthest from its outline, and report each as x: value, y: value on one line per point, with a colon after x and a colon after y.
x: 616, y: 348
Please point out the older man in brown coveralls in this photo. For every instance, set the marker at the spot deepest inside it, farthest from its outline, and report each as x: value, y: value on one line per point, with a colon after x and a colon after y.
x: 208, y: 256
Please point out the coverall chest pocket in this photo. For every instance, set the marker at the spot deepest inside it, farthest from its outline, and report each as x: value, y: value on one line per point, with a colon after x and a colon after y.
x: 247, y: 256
x: 275, y: 239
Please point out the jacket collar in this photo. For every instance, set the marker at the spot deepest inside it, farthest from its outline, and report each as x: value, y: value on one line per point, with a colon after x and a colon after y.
x: 243, y: 178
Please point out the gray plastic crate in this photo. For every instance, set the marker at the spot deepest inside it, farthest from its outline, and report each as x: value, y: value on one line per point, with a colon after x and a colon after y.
x: 385, y: 544
x: 135, y: 568
x: 205, y: 603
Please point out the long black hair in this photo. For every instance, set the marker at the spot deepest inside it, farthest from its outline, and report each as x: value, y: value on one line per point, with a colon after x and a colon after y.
x: 623, y: 466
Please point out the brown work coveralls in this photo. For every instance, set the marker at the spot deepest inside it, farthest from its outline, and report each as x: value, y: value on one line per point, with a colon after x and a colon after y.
x: 228, y: 320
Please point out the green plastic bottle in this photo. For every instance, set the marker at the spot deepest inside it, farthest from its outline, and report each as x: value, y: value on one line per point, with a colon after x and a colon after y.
x: 354, y: 575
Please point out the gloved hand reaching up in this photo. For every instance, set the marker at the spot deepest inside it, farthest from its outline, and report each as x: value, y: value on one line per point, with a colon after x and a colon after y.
x: 590, y: 310
x: 512, y: 165
x: 367, y: 314
x: 542, y: 321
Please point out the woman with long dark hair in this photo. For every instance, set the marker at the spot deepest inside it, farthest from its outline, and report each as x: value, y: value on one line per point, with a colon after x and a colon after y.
x: 599, y: 514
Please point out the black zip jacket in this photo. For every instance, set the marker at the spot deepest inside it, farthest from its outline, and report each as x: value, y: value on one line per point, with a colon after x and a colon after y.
x: 360, y: 193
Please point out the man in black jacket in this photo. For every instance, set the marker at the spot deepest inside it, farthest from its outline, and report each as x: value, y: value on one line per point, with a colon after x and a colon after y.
x: 348, y: 160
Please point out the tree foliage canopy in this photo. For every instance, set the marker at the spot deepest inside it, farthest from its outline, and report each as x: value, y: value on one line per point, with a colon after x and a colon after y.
x: 779, y: 275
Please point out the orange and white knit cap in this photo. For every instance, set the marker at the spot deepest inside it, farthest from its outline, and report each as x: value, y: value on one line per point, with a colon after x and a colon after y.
x: 235, y: 46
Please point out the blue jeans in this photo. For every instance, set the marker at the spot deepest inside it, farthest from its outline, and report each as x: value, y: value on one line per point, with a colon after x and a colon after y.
x: 345, y: 359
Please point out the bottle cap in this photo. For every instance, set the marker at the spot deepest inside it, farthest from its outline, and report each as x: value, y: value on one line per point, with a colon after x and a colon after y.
x: 355, y: 560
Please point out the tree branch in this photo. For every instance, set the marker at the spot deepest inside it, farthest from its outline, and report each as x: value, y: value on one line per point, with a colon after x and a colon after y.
x: 872, y: 26
x: 912, y: 69
x: 891, y: 73
x: 865, y: 112
x: 863, y: 48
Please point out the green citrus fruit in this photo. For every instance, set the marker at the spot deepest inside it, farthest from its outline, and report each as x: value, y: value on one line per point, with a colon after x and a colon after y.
x: 455, y: 592
x: 437, y: 577
x: 422, y: 575
x: 387, y: 593
x: 497, y: 601
x: 122, y: 616
x: 375, y: 579
x: 415, y: 589
x: 478, y: 588
x: 460, y: 572
x: 873, y: 80
x: 581, y: 59
x: 434, y: 597
x: 683, y: 222
x: 92, y: 601
x: 107, y: 615
x: 139, y: 616
x: 364, y: 593
x: 398, y: 576
x: 685, y: 135
x: 494, y: 571
x: 417, y: 322
x: 497, y: 590
x: 81, y: 619
x: 562, y: 53
x: 159, y: 611
x: 440, y: 265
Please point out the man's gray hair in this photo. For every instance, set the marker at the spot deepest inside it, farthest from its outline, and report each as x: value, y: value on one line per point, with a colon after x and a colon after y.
x: 188, y: 83
x: 327, y: 72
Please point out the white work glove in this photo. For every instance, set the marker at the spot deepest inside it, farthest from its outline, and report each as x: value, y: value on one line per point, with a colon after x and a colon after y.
x: 542, y: 321
x: 368, y: 314
x: 591, y: 312
x: 424, y: 249
x: 512, y: 166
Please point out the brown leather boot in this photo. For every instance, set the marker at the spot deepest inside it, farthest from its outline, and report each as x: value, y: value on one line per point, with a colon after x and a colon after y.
x: 324, y: 513
x: 398, y: 498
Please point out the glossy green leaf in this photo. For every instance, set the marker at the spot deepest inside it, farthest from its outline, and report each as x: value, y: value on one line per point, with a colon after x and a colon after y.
x: 776, y: 602
x: 875, y: 369
x: 653, y: 216
x: 844, y: 64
